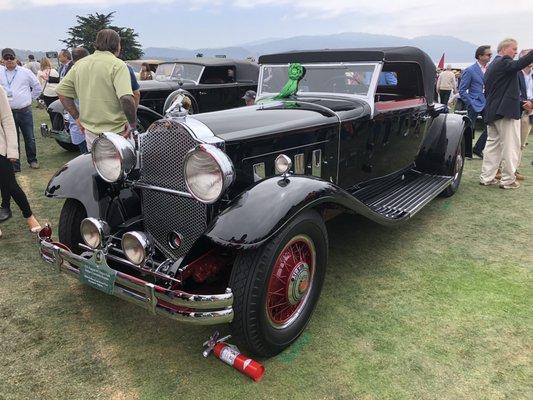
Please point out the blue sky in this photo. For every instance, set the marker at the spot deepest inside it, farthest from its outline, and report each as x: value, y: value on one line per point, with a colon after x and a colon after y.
x: 39, y: 24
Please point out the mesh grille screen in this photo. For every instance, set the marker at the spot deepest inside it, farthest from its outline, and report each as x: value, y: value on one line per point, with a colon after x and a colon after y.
x: 163, y: 149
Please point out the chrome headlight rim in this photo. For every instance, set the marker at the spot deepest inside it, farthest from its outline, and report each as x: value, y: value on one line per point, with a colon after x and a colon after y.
x: 144, y: 242
x: 225, y: 167
x: 282, y: 164
x: 102, y: 229
x: 123, y: 149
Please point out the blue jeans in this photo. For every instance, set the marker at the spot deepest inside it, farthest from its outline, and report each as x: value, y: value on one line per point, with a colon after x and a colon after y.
x: 24, y: 124
x: 482, y: 140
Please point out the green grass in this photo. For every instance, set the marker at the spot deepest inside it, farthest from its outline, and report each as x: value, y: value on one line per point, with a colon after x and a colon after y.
x: 439, y: 308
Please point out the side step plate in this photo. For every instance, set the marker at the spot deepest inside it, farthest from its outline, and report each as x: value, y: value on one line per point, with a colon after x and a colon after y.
x: 401, y: 196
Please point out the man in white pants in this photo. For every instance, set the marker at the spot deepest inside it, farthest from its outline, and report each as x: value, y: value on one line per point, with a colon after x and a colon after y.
x: 502, y: 115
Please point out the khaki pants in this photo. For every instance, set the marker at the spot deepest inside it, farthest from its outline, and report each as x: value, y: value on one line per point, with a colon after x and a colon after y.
x: 503, y: 147
x: 90, y: 137
x: 525, y: 128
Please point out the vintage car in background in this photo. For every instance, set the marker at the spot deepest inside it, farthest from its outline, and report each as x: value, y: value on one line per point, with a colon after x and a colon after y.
x: 211, y: 84
x: 220, y: 217
x: 59, y: 120
x: 136, y: 65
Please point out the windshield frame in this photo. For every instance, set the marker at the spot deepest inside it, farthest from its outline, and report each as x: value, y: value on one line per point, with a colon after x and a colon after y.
x: 171, y: 78
x: 369, y: 97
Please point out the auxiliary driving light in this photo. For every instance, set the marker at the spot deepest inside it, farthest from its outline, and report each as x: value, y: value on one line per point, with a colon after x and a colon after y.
x: 136, y: 246
x: 93, y: 231
x: 283, y: 164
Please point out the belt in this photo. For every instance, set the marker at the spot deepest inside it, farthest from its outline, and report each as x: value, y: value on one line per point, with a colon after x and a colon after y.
x: 23, y: 109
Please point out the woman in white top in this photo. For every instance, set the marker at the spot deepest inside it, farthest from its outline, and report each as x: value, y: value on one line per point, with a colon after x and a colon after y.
x: 49, y: 89
x: 9, y: 153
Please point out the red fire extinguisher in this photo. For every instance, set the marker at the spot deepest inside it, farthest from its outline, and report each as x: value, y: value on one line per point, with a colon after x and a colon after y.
x: 232, y: 356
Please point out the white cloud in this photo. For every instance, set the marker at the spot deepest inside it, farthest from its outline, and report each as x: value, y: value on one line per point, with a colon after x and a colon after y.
x: 479, y: 21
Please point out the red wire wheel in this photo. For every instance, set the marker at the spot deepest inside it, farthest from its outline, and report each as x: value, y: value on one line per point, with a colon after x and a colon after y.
x: 291, y: 281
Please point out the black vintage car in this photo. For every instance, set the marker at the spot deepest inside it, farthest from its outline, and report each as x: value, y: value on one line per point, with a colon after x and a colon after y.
x: 212, y: 84
x: 220, y: 217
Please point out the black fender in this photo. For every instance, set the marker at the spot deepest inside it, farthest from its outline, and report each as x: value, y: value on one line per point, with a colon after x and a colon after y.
x: 438, y: 149
x: 78, y: 180
x: 260, y: 212
x: 195, y: 107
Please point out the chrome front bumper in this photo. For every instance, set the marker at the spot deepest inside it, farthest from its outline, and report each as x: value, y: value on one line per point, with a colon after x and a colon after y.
x: 175, y: 304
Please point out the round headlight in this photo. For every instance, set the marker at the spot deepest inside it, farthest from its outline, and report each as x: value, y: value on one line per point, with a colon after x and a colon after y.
x: 208, y: 173
x: 93, y: 232
x: 135, y: 246
x: 113, y: 156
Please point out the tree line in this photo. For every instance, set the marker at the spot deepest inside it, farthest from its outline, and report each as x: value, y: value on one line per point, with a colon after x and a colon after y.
x: 84, y: 35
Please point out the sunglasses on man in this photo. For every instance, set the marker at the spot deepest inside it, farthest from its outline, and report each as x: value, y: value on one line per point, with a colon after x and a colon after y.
x: 8, y: 58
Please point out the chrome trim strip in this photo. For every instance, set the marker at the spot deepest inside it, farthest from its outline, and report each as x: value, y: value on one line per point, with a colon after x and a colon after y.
x: 259, y: 171
x: 160, y: 189
x: 316, y: 163
x: 299, y: 164
x: 284, y: 150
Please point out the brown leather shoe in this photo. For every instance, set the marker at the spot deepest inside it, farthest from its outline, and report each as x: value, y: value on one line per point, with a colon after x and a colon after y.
x: 491, y: 183
x: 519, y: 176
x: 514, y: 185
x: 498, y: 174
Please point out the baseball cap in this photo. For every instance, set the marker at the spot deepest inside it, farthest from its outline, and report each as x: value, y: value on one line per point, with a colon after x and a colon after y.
x: 8, y: 52
x: 250, y: 94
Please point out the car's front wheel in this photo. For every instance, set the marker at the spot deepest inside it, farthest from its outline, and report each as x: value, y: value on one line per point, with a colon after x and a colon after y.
x: 72, y: 213
x: 277, y: 286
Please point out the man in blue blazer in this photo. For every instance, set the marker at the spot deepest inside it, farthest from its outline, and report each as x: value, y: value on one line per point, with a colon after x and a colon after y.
x: 471, y: 90
x: 502, y: 115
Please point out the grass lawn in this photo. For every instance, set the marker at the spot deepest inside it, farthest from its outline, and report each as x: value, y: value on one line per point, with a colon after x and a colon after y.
x: 439, y: 308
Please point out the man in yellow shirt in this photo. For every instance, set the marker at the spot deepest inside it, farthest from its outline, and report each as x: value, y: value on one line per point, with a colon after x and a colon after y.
x: 102, y: 84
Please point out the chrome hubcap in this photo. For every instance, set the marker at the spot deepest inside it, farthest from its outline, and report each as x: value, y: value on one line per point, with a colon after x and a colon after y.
x: 299, y: 283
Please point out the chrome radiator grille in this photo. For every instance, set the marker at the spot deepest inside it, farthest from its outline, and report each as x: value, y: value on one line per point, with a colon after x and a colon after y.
x: 163, y: 149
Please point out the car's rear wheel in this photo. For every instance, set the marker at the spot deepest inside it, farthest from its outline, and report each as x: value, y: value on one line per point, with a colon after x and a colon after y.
x: 277, y: 286
x: 72, y: 213
x: 456, y: 169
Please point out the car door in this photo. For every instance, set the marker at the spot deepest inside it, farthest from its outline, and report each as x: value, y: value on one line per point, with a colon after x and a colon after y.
x: 395, y: 136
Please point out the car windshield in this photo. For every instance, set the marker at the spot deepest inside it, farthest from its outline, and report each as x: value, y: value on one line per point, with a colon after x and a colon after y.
x: 352, y: 79
x: 177, y: 71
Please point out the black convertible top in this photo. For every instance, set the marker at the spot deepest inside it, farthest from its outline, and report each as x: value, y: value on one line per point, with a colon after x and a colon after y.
x: 380, y: 54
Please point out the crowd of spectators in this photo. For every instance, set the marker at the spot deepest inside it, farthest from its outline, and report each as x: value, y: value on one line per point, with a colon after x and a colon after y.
x: 501, y: 93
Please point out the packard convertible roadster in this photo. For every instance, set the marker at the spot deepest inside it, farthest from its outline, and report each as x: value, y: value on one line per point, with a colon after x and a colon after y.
x: 220, y: 217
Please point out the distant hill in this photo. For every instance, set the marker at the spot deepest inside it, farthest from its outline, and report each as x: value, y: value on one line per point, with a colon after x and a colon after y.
x: 456, y: 50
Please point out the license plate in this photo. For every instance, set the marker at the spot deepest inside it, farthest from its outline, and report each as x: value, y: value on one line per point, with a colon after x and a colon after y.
x: 97, y: 274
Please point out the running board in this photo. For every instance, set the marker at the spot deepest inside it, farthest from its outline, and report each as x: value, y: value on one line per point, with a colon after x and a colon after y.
x: 401, y: 196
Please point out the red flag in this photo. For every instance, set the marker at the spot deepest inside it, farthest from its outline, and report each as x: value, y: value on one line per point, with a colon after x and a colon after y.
x: 440, y: 65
